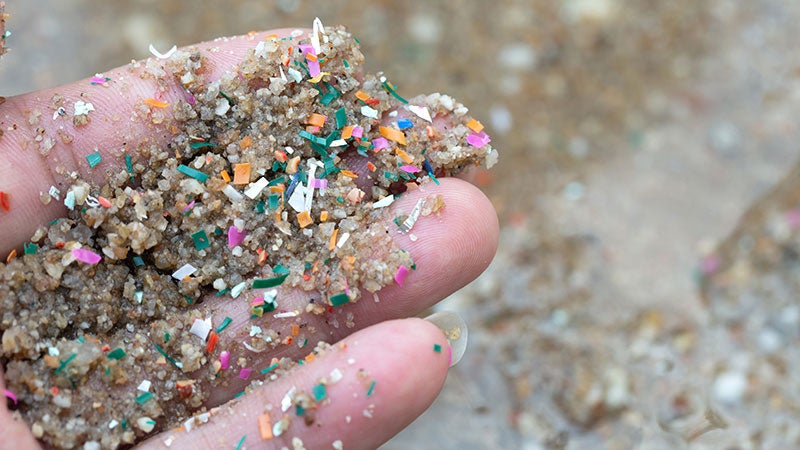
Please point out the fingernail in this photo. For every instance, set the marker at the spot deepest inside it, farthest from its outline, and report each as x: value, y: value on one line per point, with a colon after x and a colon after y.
x: 454, y: 329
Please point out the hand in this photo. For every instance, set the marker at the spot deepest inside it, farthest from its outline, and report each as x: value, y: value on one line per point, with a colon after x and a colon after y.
x: 397, y: 352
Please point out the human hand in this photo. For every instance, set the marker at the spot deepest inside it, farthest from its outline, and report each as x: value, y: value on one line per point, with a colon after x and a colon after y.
x: 397, y: 353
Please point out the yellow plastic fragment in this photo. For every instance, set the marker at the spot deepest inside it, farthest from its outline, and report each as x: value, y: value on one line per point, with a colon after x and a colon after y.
x: 316, y: 120
x: 363, y: 96
x: 265, y: 427
x: 225, y: 176
x: 474, y: 125
x: 323, y: 216
x: 347, y: 132
x: 393, y: 135
x: 304, y: 219
x: 241, y: 173
x: 155, y: 103
x: 332, y: 243
x: 404, y: 156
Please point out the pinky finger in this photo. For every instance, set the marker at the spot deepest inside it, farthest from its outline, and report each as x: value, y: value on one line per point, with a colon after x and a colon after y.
x: 356, y: 395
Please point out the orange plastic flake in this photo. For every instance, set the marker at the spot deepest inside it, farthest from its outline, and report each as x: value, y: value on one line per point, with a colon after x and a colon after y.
x: 11, y: 256
x: 371, y: 167
x: 349, y: 173
x: 225, y: 176
x: 5, y: 202
x: 393, y: 135
x: 347, y: 132
x: 103, y: 202
x: 310, y: 357
x: 293, y: 164
x: 404, y: 156
x: 430, y: 132
x: 363, y: 96
x: 474, y: 125
x: 265, y: 427
x: 332, y: 243
x: 262, y: 255
x: 288, y: 340
x: 304, y: 219
x: 295, y: 329
x: 246, y: 142
x: 316, y: 120
x: 323, y: 216
x: 276, y: 189
x: 212, y: 341
x: 280, y: 155
x: 155, y: 103
x: 241, y: 173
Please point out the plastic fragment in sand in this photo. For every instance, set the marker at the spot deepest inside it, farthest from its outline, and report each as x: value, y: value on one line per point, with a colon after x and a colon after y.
x: 410, y: 169
x: 241, y: 442
x: 99, y: 78
x: 116, y: 354
x: 241, y: 173
x: 155, y: 103
x: 86, y: 256
x: 320, y: 392
x: 269, y: 369
x: 10, y: 395
x: 80, y: 108
x: 201, y: 328
x: 379, y: 143
x: 265, y: 427
x: 144, y: 386
x: 265, y: 283
x: 317, y: 120
x: 304, y: 219
x: 401, y: 274
x: 341, y: 118
x: 194, y: 173
x: 255, y: 188
x: 408, y: 224
x: 404, y: 156
x: 404, y: 124
x: 393, y: 135
x: 200, y: 239
x: 384, y: 202
x: 201, y: 144
x: 421, y: 112
x: 235, y: 237
x: 225, y: 360
x: 437, y: 348
x: 5, y: 201
x: 232, y: 194
x: 478, y: 139
x: 185, y: 271
x: 144, y: 398
x: 225, y: 322
x: 94, y: 159
x: 29, y: 248
x: 475, y: 126
x: 339, y: 299
x: 244, y: 374
x: 237, y: 290
x: 213, y: 339
x: 371, y: 388
x: 369, y: 112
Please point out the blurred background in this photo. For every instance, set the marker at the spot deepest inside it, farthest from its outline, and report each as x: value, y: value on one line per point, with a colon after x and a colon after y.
x: 645, y: 293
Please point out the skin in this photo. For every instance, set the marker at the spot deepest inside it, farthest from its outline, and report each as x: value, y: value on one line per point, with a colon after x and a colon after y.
x: 394, y: 350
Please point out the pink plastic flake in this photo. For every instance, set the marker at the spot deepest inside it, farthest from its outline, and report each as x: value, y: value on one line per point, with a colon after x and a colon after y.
x: 235, y: 237
x: 189, y: 206
x: 358, y: 132
x: 319, y: 183
x: 409, y: 169
x: 225, y: 359
x: 10, y: 395
x: 98, y: 80
x: 401, y: 274
x: 379, y: 143
x: 244, y: 374
x: 86, y: 256
x: 478, y: 139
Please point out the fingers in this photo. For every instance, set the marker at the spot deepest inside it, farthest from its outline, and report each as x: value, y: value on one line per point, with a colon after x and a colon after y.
x: 390, y: 373
x: 40, y: 148
x: 450, y: 249
x: 15, y: 433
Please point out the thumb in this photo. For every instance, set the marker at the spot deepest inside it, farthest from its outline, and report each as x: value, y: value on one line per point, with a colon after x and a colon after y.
x: 14, y: 433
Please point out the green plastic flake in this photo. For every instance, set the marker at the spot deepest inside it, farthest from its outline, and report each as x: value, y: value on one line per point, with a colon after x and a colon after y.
x: 241, y: 441
x: 142, y: 399
x: 269, y: 369
x: 200, y: 240
x: 65, y: 362
x: 280, y: 269
x: 218, y: 231
x: 166, y: 337
x: 129, y: 165
x: 435, y: 180
x: 225, y: 322
x: 390, y: 88
x: 265, y: 283
x: 230, y: 100
x: 117, y: 353
x: 166, y: 356
x: 345, y: 63
x: 341, y: 118
x: 196, y: 145
x: 30, y: 248
x: 261, y: 206
x: 299, y: 410
x: 196, y: 174
x: 390, y: 176
x: 371, y: 388
x: 94, y: 159
x: 340, y: 199
x: 274, y: 201
x: 81, y: 339
x: 437, y: 348
x: 277, y: 181
x: 339, y: 299
x: 222, y: 292
x: 138, y: 261
x: 320, y: 392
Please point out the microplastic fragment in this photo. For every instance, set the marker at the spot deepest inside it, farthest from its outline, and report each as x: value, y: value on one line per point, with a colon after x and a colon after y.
x: 421, y: 112
x: 339, y: 299
x: 194, y: 173
x: 225, y: 360
x: 244, y: 374
x: 475, y: 126
x: 236, y: 290
x: 10, y: 395
x: 404, y: 124
x: 379, y: 143
x: 241, y: 442
x: 368, y: 112
x: 235, y: 237
x: 144, y: 386
x: 225, y: 322
x: 232, y: 194
x: 160, y: 55
x: 241, y: 173
x: 371, y: 388
x: 81, y: 108
x: 99, y: 78
x: 384, y: 202
x: 116, y: 354
x: 271, y: 367
x: 337, y: 445
x: 55, y: 193
x: 393, y: 135
x: 408, y: 224
x: 5, y: 201
x: 341, y: 118
x: 437, y: 348
x: 255, y: 188
x: 265, y: 283
x: 410, y: 169
x: 144, y: 398
x: 86, y: 256
x: 320, y: 392
x: 201, y: 328
x: 478, y: 139
x: 286, y: 401
x: 155, y: 103
x: 184, y: 271
x: 400, y: 275
x: 200, y: 239
x: 94, y: 159
x: 29, y: 248
x: 265, y: 426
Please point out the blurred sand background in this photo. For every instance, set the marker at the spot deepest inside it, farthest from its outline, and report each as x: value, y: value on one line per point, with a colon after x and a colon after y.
x: 628, y: 306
